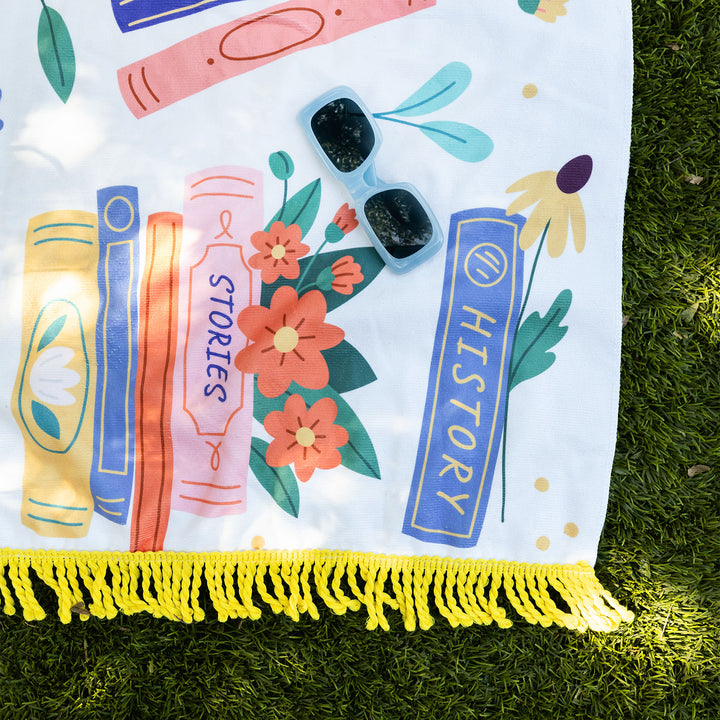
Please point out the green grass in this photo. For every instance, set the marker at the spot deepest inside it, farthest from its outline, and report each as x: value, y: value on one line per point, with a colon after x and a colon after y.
x: 660, y: 550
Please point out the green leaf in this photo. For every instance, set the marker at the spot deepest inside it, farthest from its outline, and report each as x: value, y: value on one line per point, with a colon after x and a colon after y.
x: 358, y: 454
x: 55, y: 49
x: 281, y: 165
x: 51, y: 332
x: 530, y: 354
x: 349, y: 370
x: 46, y: 419
x: 443, y: 88
x: 368, y: 259
x: 279, y: 482
x: 301, y: 209
x: 460, y: 140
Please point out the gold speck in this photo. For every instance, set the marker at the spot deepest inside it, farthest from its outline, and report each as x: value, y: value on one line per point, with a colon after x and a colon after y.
x: 258, y: 542
x: 542, y: 484
x: 571, y: 530
x: 530, y: 91
x: 543, y: 543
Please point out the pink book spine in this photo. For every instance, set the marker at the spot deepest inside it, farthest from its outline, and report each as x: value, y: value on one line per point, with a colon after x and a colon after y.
x: 237, y: 47
x: 213, y: 405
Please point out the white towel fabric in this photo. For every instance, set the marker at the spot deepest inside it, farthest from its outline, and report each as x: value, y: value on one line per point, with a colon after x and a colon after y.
x: 202, y: 351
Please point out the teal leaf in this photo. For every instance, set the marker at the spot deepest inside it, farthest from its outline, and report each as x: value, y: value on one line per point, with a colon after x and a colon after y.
x: 55, y: 49
x: 51, y: 332
x: 301, y: 209
x: 358, y: 454
x: 325, y: 279
x: 531, y: 354
x: 279, y: 482
x: 281, y: 165
x: 46, y: 419
x: 368, y: 259
x: 460, y: 140
x: 349, y: 370
x: 443, y: 88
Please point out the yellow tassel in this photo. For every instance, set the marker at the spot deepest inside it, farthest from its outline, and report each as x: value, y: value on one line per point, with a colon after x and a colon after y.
x: 464, y: 592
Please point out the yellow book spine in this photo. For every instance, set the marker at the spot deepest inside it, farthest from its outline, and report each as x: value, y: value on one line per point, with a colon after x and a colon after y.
x: 53, y: 398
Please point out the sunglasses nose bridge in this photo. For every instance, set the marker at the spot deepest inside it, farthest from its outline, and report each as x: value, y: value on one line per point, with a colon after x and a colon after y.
x: 361, y: 181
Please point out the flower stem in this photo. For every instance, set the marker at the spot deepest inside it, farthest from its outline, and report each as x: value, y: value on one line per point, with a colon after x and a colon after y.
x: 424, y: 128
x: 510, y: 376
x: 309, y: 265
x: 284, y: 202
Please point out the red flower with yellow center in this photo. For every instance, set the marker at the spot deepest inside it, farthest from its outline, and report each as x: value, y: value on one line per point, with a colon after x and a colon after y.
x: 306, y: 437
x: 286, y: 341
x: 279, y: 251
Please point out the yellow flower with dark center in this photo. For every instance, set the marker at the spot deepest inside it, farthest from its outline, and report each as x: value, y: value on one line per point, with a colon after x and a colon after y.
x: 558, y: 205
x: 547, y: 10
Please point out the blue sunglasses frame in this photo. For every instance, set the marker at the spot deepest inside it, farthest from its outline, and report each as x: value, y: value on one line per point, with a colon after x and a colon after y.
x: 363, y: 182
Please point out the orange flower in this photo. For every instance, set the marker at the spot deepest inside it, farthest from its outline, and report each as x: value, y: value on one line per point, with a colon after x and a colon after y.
x: 287, y: 340
x: 345, y: 219
x: 305, y: 437
x: 279, y: 251
x: 346, y: 273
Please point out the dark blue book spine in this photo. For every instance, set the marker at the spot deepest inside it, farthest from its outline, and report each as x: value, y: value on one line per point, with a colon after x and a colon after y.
x: 111, y: 478
x: 137, y: 14
x: 467, y: 391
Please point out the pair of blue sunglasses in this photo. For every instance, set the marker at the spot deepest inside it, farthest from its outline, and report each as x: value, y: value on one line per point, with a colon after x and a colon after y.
x: 395, y: 217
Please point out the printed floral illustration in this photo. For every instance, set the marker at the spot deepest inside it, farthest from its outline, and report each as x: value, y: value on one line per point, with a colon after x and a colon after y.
x: 50, y: 379
x: 279, y: 251
x: 547, y: 10
x: 55, y: 50
x: 302, y: 362
x: 288, y: 339
x: 344, y: 274
x: 463, y: 141
x: 305, y: 437
x: 558, y: 203
x: 557, y: 208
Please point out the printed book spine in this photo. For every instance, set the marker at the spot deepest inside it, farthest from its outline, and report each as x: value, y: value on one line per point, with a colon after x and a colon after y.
x: 157, y: 338
x: 213, y: 406
x: 137, y: 14
x: 113, y: 467
x: 237, y: 47
x: 54, y: 394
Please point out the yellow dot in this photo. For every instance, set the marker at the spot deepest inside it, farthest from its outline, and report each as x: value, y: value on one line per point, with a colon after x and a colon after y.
x: 286, y: 339
x: 571, y: 530
x: 278, y: 252
x: 530, y: 91
x: 305, y: 437
x: 542, y: 484
x: 258, y: 542
x: 543, y: 543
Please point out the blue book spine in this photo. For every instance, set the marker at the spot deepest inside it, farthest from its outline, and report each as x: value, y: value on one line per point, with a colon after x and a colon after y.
x: 111, y: 478
x: 137, y: 14
x: 465, y: 403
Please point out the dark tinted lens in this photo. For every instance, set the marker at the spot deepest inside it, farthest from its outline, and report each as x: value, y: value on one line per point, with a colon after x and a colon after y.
x: 344, y: 133
x: 399, y: 221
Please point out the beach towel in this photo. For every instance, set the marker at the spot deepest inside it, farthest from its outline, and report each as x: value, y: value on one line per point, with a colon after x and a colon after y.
x: 311, y: 307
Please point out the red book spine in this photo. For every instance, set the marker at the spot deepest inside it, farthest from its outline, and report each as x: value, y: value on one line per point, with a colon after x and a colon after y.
x: 158, y: 326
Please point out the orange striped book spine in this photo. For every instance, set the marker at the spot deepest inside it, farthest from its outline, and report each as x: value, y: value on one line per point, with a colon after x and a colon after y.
x: 158, y: 325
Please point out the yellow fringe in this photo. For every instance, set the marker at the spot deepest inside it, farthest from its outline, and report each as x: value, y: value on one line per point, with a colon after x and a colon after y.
x: 167, y: 585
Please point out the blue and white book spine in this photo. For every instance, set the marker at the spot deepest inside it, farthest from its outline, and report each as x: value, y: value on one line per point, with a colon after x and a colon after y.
x: 111, y: 478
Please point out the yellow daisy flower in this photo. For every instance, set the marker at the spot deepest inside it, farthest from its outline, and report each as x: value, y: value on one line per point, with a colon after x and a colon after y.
x: 558, y: 205
x: 547, y: 10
